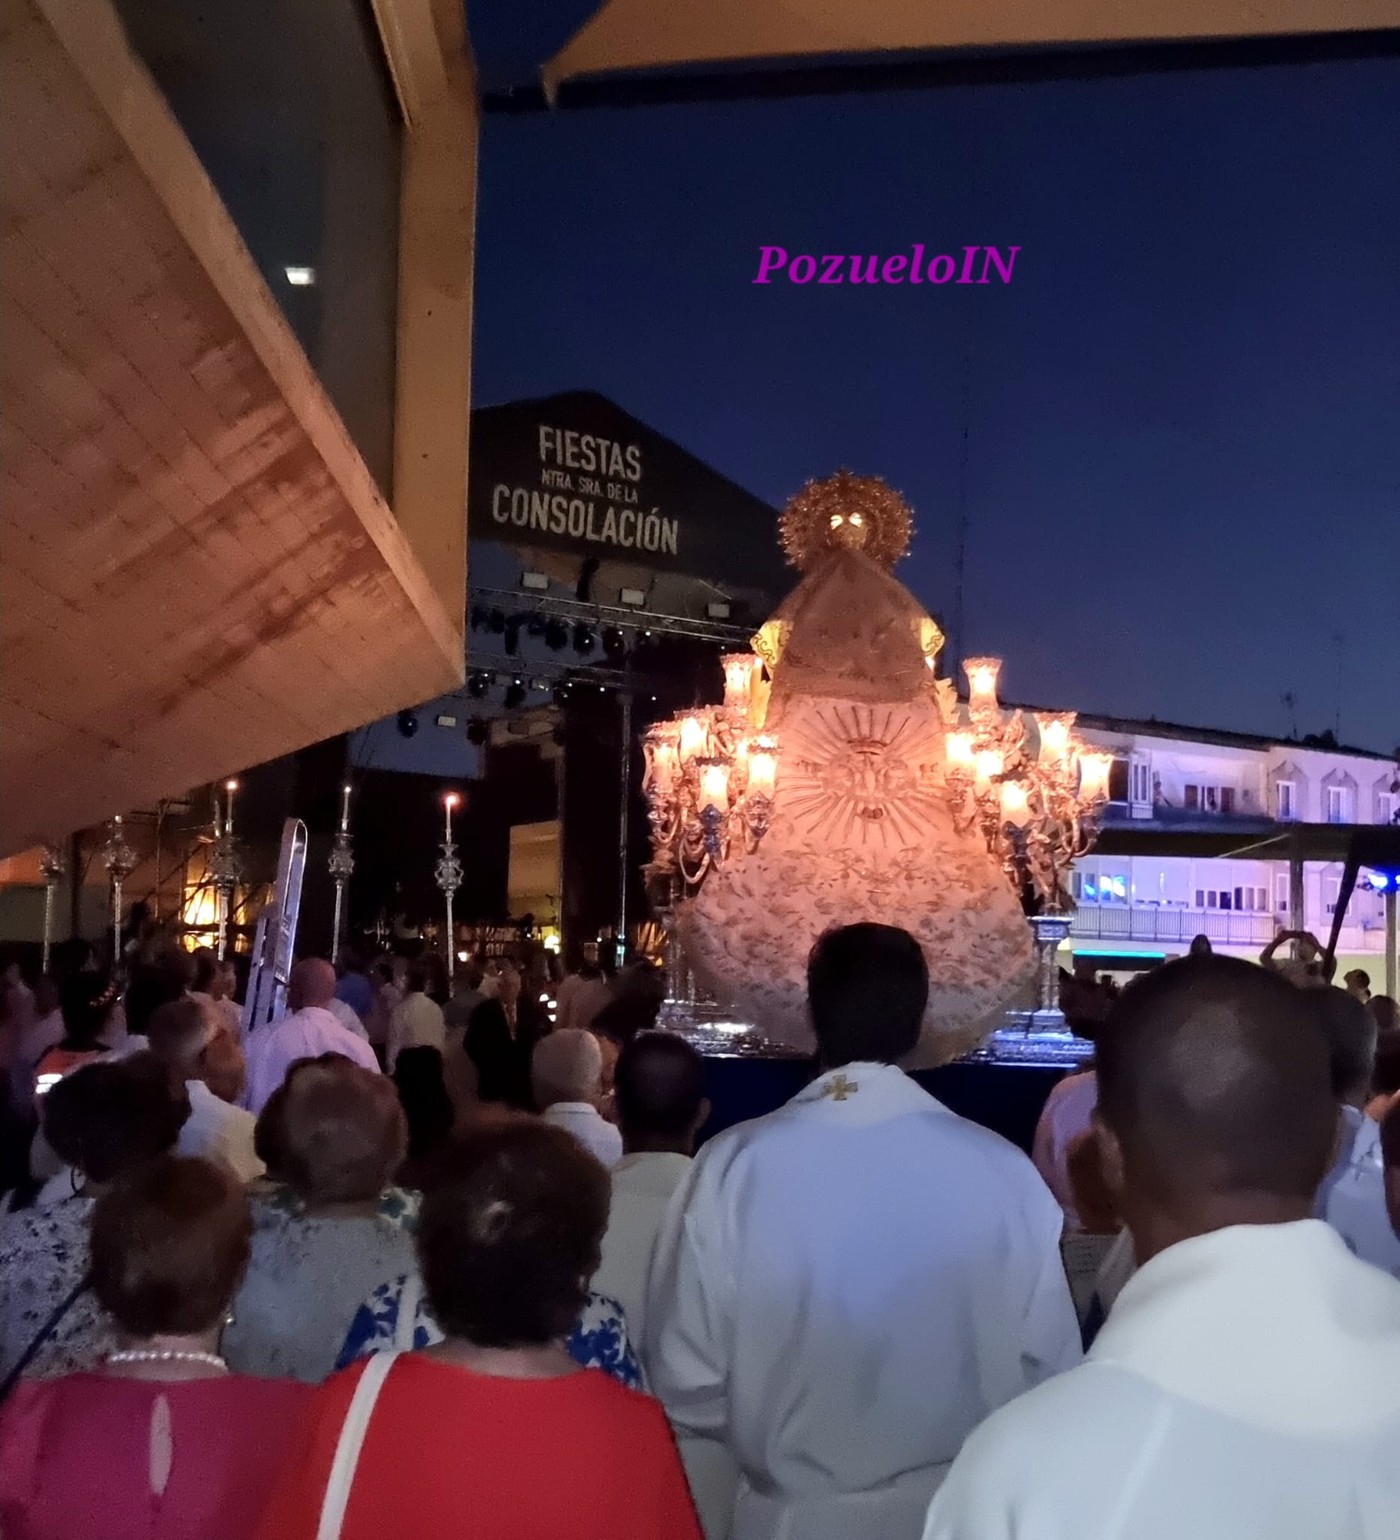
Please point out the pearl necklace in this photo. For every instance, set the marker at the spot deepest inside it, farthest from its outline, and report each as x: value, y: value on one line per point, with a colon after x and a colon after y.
x: 166, y: 1356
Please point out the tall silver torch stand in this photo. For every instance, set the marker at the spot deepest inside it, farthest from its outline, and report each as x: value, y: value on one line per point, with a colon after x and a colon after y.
x: 51, y: 869
x: 340, y: 863
x: 120, y: 860
x: 1049, y: 930
x: 225, y: 866
x: 447, y: 873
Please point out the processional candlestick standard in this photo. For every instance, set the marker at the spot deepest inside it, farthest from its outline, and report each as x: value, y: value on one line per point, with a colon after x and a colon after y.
x: 225, y: 865
x: 1038, y: 809
x: 447, y: 873
x: 709, y: 782
x: 120, y: 860
x: 51, y: 869
x: 341, y: 864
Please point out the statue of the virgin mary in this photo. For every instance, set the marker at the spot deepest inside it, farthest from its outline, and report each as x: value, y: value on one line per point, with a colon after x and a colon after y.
x: 861, y: 828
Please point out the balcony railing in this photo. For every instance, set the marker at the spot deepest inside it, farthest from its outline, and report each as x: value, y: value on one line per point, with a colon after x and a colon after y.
x: 1124, y: 922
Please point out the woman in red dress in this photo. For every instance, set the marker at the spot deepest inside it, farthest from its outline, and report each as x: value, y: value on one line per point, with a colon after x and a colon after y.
x: 495, y: 1432
x: 162, y: 1442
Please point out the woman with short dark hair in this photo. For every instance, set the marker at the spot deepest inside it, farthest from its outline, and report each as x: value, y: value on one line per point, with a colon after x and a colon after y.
x: 102, y: 1120
x: 161, y: 1440
x: 333, y: 1135
x: 496, y: 1430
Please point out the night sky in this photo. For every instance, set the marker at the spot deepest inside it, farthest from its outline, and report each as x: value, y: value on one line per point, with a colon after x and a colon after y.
x: 1183, y: 471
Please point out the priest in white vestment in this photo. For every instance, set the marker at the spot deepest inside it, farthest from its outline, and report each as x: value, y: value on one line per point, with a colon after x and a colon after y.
x: 1246, y: 1385
x: 844, y: 1289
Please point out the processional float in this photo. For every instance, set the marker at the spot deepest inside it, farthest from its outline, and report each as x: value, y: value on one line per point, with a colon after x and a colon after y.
x: 842, y: 779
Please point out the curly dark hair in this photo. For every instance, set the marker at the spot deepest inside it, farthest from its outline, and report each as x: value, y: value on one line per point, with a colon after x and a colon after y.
x: 509, y: 1235
x: 109, y: 1117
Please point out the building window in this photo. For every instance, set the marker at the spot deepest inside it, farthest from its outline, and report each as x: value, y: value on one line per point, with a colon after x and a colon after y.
x: 1281, y: 892
x: 1337, y: 804
x: 1286, y: 800
x: 1227, y: 799
x: 1387, y: 811
x: 1118, y: 781
x: 1140, y: 782
x: 1193, y: 796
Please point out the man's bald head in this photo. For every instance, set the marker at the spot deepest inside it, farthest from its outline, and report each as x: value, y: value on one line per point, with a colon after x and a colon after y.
x: 312, y: 982
x: 1215, y: 1082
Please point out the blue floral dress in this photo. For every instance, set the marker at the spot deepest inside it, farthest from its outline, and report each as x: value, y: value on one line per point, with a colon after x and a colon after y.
x: 598, y: 1341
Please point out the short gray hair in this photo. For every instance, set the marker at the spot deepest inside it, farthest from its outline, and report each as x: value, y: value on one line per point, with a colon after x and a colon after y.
x: 567, y: 1066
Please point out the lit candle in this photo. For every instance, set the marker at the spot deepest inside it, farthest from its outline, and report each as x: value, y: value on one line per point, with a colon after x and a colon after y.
x: 763, y: 767
x: 1054, y: 736
x: 982, y: 674
x: 959, y: 750
x: 665, y: 765
x: 1015, y: 805
x: 448, y: 803
x: 739, y: 671
x: 988, y: 764
x: 1093, y: 776
x: 345, y: 808
x: 714, y: 787
x: 692, y: 739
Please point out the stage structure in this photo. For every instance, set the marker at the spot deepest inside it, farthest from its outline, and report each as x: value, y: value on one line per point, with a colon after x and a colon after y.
x: 843, y: 780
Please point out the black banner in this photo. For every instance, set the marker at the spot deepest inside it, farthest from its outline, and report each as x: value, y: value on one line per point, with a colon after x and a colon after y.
x: 577, y: 473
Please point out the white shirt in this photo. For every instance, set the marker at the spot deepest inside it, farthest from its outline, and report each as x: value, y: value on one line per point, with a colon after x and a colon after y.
x: 218, y: 1131
x: 592, y: 1130
x: 842, y: 1291
x: 347, y: 1016
x: 1355, y: 1205
x: 642, y: 1186
x: 1245, y: 1387
x: 417, y: 1022
x: 1065, y: 1116
x: 305, y: 1034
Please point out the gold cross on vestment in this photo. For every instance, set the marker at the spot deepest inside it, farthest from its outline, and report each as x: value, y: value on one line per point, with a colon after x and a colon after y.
x: 839, y: 1089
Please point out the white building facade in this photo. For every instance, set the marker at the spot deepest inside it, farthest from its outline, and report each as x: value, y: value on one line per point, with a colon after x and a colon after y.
x: 1176, y: 791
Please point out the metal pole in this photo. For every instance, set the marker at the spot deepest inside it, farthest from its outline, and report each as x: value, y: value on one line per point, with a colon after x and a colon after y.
x: 1390, y: 943
x: 623, y: 820
x: 1297, y: 920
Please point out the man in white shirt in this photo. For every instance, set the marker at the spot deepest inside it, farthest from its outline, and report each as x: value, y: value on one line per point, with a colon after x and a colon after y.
x: 417, y: 1021
x: 182, y: 1036
x: 307, y: 1032
x: 566, y: 1076
x: 659, y: 1092
x: 1246, y: 1385
x: 843, y: 1290
x: 1352, y: 1196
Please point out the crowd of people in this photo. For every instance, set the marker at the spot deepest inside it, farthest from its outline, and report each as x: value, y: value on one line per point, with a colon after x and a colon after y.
x: 422, y: 1258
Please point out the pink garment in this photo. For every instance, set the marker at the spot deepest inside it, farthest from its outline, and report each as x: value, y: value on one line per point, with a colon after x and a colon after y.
x: 306, y: 1034
x: 1065, y: 1116
x: 95, y: 1455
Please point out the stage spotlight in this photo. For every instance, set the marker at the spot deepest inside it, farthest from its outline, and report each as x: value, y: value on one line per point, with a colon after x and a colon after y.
x: 498, y: 621
x: 515, y: 695
x: 561, y: 693
x: 477, y: 732
x: 584, y: 639
x: 614, y: 643
x: 556, y: 635
x: 408, y: 723
x: 478, y: 686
